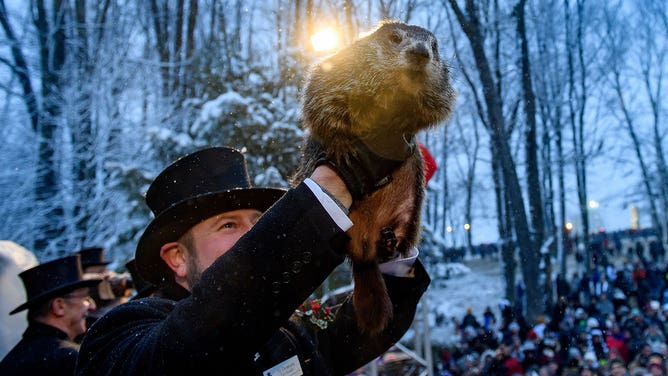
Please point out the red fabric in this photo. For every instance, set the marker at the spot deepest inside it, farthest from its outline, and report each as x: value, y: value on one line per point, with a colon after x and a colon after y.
x: 618, y: 345
x: 513, y: 366
x: 430, y: 165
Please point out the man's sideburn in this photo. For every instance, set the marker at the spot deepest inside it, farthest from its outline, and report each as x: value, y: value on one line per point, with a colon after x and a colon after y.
x: 194, y: 273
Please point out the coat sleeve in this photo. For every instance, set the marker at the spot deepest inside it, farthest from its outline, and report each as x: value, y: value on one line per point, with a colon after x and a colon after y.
x: 346, y: 349
x: 241, y: 299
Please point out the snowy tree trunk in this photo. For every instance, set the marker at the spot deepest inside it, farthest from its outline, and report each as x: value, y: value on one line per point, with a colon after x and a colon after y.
x: 529, y: 256
x: 52, y: 58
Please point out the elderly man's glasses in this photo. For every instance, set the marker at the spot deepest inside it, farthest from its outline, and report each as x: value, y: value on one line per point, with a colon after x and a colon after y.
x: 86, y: 297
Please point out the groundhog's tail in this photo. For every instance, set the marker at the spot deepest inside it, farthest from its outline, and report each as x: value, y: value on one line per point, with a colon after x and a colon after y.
x: 373, y: 307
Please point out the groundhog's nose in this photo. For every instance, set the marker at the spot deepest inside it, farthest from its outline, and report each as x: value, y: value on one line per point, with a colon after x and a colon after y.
x: 418, y: 53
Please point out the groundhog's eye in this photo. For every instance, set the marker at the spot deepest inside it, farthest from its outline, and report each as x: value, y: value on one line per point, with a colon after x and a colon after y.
x: 395, y: 37
x: 434, y: 46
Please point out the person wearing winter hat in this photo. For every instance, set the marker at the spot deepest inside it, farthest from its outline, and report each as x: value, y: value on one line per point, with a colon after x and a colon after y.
x: 232, y: 263
x: 589, y: 359
x: 58, y: 301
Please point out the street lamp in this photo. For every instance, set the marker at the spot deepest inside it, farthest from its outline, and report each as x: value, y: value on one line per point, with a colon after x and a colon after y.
x: 448, y: 229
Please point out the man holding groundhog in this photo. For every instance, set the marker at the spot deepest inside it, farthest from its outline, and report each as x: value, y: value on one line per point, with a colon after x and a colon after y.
x: 233, y: 262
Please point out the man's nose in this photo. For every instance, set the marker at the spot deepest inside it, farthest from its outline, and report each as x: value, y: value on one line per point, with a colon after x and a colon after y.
x: 91, y: 304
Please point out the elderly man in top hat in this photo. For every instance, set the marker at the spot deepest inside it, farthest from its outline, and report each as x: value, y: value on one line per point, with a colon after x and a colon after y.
x: 233, y: 263
x: 58, y: 303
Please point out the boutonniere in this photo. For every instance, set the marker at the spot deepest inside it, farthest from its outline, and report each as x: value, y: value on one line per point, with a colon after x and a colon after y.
x: 315, y: 313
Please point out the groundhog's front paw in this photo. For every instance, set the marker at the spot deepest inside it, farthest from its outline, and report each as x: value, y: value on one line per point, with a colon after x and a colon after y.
x: 386, y: 248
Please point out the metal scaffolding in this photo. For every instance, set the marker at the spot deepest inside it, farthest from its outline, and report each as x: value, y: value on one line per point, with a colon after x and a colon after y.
x: 421, y: 353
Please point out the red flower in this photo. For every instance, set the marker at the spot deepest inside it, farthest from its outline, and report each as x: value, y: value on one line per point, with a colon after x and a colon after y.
x: 317, y: 315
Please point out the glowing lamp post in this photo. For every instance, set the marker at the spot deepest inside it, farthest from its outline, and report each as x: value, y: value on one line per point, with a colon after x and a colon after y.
x: 448, y: 229
x: 469, y: 246
x: 595, y: 214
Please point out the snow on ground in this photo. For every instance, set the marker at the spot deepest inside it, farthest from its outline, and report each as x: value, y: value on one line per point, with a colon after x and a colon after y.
x: 477, y: 283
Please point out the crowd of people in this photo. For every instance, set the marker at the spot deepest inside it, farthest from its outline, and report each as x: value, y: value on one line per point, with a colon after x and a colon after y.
x: 612, y: 320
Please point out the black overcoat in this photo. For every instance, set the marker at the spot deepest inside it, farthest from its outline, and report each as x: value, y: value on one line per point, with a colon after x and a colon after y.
x: 236, y: 320
x: 43, y: 350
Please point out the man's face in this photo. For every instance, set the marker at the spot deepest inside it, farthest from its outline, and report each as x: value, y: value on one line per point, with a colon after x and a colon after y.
x: 79, y: 303
x: 617, y: 369
x: 214, y: 236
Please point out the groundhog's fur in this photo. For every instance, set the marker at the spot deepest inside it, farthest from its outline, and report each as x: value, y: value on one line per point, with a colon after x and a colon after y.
x: 391, y: 81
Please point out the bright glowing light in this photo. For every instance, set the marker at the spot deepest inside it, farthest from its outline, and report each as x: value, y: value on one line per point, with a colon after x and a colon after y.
x: 325, y: 40
x: 569, y: 226
x: 448, y: 229
x: 467, y: 226
x: 593, y: 204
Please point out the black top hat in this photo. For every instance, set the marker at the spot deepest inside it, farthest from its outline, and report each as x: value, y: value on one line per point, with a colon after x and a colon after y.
x: 142, y: 287
x: 196, y: 187
x: 92, y: 256
x: 53, y: 278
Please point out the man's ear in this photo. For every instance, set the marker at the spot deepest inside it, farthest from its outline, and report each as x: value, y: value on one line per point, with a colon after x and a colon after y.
x: 174, y: 256
x: 58, y: 306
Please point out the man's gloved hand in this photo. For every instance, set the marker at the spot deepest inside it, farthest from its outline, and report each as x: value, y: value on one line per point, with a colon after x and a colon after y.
x: 371, y: 162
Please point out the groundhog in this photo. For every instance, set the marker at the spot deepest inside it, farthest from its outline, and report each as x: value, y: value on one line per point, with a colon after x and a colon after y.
x: 392, y: 80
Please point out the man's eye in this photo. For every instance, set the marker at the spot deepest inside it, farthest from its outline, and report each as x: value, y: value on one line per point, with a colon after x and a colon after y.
x: 227, y: 225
